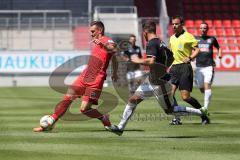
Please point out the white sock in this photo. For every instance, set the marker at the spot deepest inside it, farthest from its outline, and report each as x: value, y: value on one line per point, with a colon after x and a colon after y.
x: 181, y: 110
x: 207, y: 97
x: 128, y: 112
x: 193, y: 111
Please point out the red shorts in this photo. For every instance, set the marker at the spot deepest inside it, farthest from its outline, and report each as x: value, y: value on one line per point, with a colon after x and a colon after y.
x: 89, y: 89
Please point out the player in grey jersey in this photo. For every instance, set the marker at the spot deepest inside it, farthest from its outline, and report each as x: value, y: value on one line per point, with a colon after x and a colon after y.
x: 204, y: 72
x: 133, y: 70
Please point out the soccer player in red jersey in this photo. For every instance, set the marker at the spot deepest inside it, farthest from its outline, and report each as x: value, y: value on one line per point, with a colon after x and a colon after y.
x: 89, y: 84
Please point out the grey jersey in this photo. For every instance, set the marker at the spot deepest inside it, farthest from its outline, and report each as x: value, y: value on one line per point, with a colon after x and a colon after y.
x: 205, y: 57
x: 131, y: 51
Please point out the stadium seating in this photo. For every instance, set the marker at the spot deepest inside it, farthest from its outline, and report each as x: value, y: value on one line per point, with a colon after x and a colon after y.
x: 236, y: 23
x: 237, y: 32
x: 189, y: 23
x: 227, y: 23
x: 217, y: 23
x: 222, y: 17
x: 220, y: 32
x: 229, y: 32
x: 192, y: 30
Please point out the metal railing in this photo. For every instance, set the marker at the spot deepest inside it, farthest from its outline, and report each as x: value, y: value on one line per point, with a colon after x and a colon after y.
x: 115, y: 9
x: 43, y: 33
x: 34, y: 34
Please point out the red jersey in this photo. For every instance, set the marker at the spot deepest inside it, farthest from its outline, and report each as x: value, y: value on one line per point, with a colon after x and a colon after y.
x: 98, y: 61
x: 89, y: 84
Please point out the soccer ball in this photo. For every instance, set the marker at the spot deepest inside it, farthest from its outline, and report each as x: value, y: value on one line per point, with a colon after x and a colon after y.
x: 46, y: 122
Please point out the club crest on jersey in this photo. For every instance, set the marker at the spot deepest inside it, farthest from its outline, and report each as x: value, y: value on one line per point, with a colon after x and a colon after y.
x: 180, y: 46
x: 209, y: 41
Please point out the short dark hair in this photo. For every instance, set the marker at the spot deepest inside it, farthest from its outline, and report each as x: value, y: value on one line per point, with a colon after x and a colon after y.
x: 149, y: 26
x: 178, y: 17
x: 203, y: 22
x: 98, y: 24
x: 132, y: 35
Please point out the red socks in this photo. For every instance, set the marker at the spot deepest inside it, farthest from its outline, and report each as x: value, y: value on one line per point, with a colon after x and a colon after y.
x: 62, y: 107
x: 65, y: 103
x: 94, y: 113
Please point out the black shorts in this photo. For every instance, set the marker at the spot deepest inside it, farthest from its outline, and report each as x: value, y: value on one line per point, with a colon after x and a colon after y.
x: 182, y: 76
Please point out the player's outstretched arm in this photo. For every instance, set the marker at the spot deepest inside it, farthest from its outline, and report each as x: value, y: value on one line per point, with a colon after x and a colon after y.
x: 146, y: 61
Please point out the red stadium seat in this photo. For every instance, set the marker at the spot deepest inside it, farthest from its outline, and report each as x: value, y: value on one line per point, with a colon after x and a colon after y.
x: 189, y: 23
x: 211, y: 32
x: 221, y: 41
x: 225, y: 48
x: 229, y: 32
x: 237, y: 31
x: 233, y: 48
x: 219, y: 32
x: 217, y: 23
x: 236, y: 23
x: 227, y: 23
x: 198, y: 22
x: 192, y: 30
x: 231, y: 41
x: 238, y: 41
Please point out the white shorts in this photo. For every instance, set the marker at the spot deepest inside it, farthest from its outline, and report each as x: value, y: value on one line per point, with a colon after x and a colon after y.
x: 133, y: 75
x: 204, y: 75
x: 163, y: 93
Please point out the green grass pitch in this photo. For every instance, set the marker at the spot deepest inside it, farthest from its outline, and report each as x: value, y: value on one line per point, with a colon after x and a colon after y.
x: 148, y: 137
